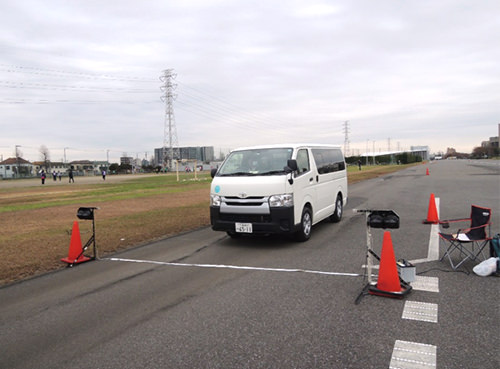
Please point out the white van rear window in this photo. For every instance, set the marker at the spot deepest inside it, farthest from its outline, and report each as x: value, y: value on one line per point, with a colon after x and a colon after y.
x: 328, y: 160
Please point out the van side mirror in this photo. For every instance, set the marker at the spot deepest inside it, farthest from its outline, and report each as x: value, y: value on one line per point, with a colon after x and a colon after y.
x: 213, y: 172
x: 291, y: 166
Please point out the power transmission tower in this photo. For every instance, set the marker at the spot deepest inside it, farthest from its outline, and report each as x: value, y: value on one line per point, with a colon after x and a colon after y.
x: 346, y: 139
x: 169, y: 131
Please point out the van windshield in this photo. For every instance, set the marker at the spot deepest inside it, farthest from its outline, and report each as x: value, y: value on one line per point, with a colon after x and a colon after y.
x: 256, y: 162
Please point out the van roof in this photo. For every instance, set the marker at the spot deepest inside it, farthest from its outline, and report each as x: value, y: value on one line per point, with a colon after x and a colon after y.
x: 290, y: 145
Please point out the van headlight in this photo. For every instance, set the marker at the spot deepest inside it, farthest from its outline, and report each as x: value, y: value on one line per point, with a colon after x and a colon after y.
x: 282, y: 200
x: 215, y: 200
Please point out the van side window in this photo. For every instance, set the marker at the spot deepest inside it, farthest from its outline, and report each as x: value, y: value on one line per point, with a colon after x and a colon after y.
x: 302, y: 162
x: 328, y: 160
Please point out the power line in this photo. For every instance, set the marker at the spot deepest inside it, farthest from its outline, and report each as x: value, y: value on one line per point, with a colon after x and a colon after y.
x: 67, y: 101
x: 63, y: 73
x: 48, y: 86
x: 228, y: 106
x: 193, y: 100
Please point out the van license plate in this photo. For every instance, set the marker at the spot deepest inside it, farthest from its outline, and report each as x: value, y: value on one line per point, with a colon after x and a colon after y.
x: 243, y: 227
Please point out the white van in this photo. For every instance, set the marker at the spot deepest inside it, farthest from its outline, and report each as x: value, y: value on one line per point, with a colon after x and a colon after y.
x: 278, y: 189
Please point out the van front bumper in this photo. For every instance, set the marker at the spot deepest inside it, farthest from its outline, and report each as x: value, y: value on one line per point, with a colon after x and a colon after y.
x: 279, y: 220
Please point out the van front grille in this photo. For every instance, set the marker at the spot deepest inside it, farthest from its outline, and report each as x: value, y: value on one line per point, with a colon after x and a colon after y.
x: 245, y: 218
x: 249, y: 201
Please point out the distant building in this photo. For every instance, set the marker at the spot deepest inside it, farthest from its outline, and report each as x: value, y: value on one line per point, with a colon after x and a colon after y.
x: 450, y: 151
x: 203, y: 154
x: 491, y: 143
x: 126, y: 160
x: 16, y: 168
x: 491, y: 147
x: 100, y: 166
x: 422, y: 151
x: 83, y: 167
x: 50, y: 166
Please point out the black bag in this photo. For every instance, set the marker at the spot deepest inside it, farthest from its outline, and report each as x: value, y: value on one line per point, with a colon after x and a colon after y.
x: 383, y: 219
x: 85, y: 213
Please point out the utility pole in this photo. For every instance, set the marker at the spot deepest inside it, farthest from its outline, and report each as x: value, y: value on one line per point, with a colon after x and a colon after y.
x: 373, y: 152
x: 346, y: 139
x: 18, y: 174
x: 169, y: 130
x: 367, y: 141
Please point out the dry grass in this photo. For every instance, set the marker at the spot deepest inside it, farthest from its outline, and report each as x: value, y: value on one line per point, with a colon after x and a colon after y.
x: 34, y: 240
x: 36, y: 222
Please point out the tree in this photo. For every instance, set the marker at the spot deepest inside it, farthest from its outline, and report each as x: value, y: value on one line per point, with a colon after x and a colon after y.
x: 479, y: 152
x: 124, y: 168
x: 45, y: 156
x: 114, y: 167
x: 485, y: 152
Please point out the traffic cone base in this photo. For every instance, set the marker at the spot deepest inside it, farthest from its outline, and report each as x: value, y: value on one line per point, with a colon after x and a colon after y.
x: 432, y: 214
x: 81, y: 259
x: 373, y: 290
x: 388, y: 282
x: 75, y: 252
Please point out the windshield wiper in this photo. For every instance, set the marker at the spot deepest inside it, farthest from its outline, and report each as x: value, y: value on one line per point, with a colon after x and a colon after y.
x: 237, y: 174
x: 272, y: 172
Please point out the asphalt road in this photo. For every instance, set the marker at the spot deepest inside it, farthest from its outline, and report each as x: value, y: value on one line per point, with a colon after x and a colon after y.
x: 201, y: 313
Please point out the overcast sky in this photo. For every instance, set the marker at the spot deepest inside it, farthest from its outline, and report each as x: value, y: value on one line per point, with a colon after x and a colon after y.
x: 85, y: 74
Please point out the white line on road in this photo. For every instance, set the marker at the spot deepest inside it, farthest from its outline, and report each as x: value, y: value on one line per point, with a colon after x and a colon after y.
x: 412, y: 355
x: 221, y: 266
x: 433, y: 248
x: 423, y: 311
x: 429, y: 284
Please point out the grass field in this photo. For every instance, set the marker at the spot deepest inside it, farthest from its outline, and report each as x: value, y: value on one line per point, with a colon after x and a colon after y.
x: 36, y: 221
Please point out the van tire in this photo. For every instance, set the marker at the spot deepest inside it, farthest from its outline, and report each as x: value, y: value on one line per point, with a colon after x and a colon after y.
x: 339, y: 210
x: 305, y: 228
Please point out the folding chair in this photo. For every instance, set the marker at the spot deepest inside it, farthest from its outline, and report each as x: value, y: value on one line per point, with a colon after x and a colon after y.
x: 468, y: 243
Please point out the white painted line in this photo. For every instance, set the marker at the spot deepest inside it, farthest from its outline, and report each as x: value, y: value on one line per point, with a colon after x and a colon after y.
x: 428, y: 284
x: 412, y: 355
x: 433, y: 246
x: 422, y: 311
x: 418, y: 261
x: 433, y: 251
x: 221, y: 266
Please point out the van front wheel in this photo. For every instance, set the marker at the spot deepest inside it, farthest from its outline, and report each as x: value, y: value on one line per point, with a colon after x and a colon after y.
x: 304, y: 232
x: 337, y: 214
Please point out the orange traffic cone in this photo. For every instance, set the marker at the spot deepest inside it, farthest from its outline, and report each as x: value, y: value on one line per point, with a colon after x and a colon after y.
x: 75, y: 253
x: 388, y: 282
x: 388, y: 278
x: 432, y: 214
x: 427, y: 172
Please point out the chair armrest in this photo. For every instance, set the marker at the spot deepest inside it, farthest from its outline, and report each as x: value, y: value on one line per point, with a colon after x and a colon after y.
x: 446, y: 223
x: 455, y: 220
x: 471, y: 228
